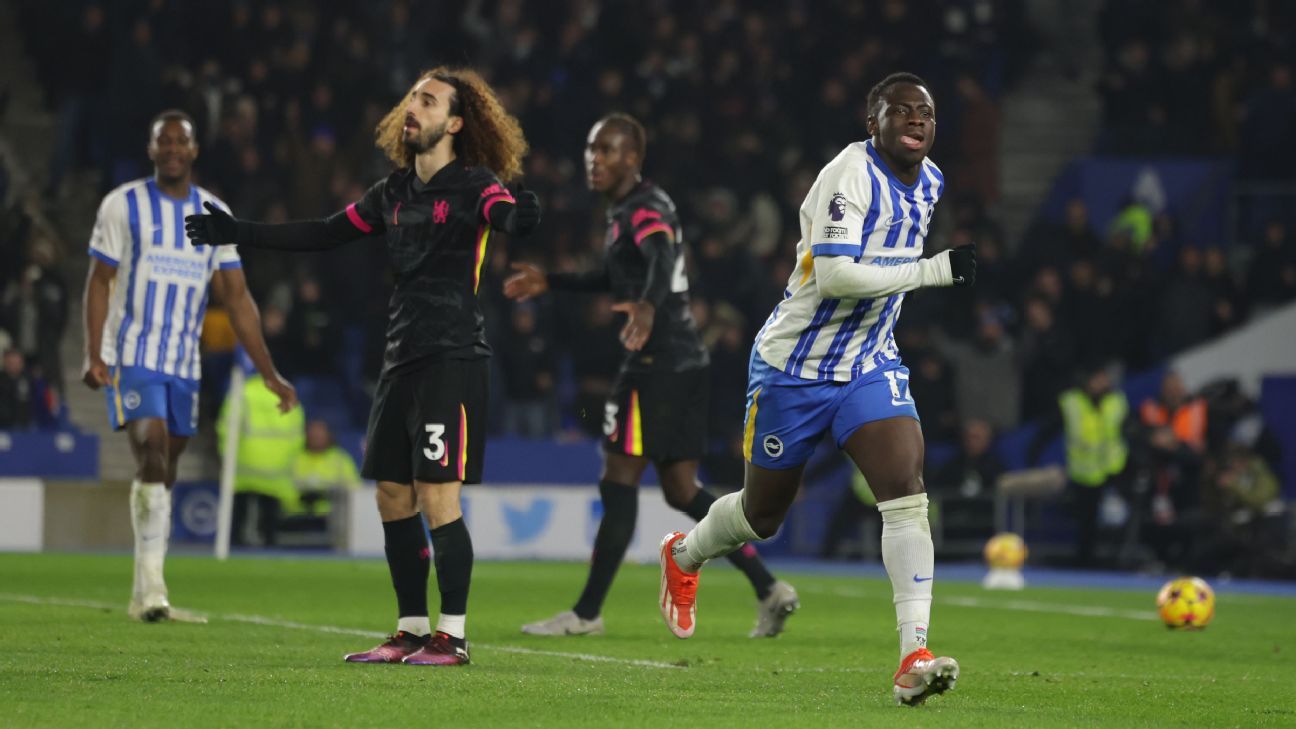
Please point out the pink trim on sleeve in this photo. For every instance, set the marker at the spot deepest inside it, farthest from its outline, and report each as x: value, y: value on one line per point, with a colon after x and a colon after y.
x: 499, y: 197
x: 648, y: 230
x: 356, y: 220
x: 643, y: 215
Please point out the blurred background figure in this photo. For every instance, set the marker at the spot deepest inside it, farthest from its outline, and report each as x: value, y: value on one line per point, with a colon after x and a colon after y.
x: 16, y: 388
x: 1093, y: 418
x: 268, y: 444
x: 1173, y: 430
x: 322, y: 471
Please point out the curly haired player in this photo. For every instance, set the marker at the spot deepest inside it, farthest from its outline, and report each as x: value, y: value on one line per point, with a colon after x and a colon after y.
x: 452, y: 143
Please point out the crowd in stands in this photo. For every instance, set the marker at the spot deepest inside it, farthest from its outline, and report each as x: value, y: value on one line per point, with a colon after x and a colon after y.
x: 1200, y: 77
x: 744, y: 102
x: 33, y: 314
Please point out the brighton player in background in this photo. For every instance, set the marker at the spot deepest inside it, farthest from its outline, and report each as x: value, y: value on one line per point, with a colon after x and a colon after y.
x: 144, y: 302
x: 826, y: 361
x: 657, y: 409
x: 452, y: 143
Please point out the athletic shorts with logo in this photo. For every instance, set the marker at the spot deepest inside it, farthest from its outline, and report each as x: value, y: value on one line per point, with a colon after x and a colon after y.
x: 787, y: 416
x: 659, y: 415
x: 136, y: 393
x: 429, y: 424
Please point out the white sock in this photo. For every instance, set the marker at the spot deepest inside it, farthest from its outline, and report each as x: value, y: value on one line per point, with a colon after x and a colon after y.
x: 415, y: 625
x: 720, y: 532
x: 908, y: 556
x: 452, y: 625
x: 150, y: 505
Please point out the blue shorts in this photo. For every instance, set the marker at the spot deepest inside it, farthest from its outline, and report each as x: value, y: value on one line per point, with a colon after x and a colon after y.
x: 787, y: 416
x: 136, y: 393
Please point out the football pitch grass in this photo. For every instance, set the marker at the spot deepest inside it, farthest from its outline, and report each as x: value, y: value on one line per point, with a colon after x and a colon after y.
x: 271, y: 654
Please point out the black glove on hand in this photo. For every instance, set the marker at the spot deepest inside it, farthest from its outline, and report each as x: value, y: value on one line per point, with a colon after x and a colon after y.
x: 217, y: 228
x: 963, y: 264
x: 525, y: 215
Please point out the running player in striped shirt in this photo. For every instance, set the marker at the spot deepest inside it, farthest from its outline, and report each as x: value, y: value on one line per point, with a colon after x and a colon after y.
x: 144, y: 302
x: 826, y: 361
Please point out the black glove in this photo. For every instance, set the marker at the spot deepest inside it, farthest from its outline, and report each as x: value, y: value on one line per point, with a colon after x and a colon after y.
x: 217, y: 228
x: 525, y: 215
x: 963, y: 264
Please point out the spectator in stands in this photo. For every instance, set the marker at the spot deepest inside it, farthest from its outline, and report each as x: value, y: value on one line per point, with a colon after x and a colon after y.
x: 268, y: 444
x: 986, y: 372
x: 529, y: 367
x: 1173, y: 435
x: 1271, y: 277
x: 311, y: 339
x: 977, y: 168
x: 1094, y: 419
x: 856, y: 507
x: 15, y: 392
x: 1133, y: 115
x: 322, y: 470
x: 78, y: 86
x: 1073, y: 239
x: 724, y: 334
x: 1186, y: 307
x: 1132, y: 228
x: 1047, y: 354
x: 592, y: 362
x: 1266, y: 149
x: 34, y: 310
x: 973, y: 471
x: 931, y: 380
x: 1247, y: 534
x: 1230, y: 302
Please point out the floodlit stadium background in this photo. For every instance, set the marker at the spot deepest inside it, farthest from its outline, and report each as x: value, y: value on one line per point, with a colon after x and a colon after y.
x: 1125, y: 169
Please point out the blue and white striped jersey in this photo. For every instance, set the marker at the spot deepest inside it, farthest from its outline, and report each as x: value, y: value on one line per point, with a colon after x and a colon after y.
x: 856, y: 208
x: 156, y: 308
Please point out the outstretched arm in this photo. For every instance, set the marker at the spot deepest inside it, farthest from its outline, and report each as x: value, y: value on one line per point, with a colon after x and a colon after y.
x: 231, y: 288
x: 218, y: 227
x: 656, y: 243
x: 840, y: 277
x: 515, y: 216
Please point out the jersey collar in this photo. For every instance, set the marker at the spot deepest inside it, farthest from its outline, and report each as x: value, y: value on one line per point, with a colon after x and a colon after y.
x: 886, y: 169
x: 442, y: 178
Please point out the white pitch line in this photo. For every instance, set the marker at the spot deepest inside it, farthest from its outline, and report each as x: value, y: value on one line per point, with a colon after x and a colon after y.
x: 338, y: 630
x: 1088, y: 611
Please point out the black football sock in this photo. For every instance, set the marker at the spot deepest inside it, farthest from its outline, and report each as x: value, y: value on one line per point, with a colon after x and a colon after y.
x: 744, y: 557
x: 620, y: 510
x: 453, y: 552
x: 407, y: 559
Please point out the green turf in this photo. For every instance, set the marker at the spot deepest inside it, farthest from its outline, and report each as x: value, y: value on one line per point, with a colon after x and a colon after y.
x: 78, y: 666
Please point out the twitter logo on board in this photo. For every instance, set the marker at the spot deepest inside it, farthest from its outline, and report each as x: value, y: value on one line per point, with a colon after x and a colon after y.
x: 525, y: 525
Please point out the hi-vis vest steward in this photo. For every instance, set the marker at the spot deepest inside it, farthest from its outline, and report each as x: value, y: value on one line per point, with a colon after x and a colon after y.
x: 1095, y: 448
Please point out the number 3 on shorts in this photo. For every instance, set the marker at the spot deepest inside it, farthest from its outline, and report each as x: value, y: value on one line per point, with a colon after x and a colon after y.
x: 436, y: 446
x: 899, y: 388
x: 609, y: 419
